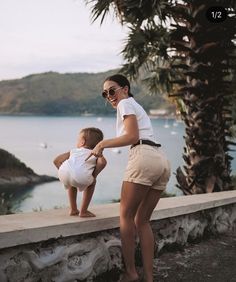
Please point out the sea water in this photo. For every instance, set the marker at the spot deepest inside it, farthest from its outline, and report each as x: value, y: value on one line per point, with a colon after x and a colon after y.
x: 37, y: 140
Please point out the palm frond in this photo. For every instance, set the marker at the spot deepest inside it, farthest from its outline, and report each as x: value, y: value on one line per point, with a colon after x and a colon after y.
x: 100, y: 8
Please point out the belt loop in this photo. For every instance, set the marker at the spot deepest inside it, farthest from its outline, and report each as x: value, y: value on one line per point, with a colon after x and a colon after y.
x: 140, y: 141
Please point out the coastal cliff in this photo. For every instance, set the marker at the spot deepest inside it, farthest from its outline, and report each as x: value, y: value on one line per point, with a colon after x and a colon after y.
x: 15, y: 174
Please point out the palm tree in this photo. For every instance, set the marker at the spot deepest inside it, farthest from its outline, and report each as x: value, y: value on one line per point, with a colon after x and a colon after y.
x: 172, y: 43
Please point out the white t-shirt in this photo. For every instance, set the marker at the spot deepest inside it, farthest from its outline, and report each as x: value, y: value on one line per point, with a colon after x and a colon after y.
x: 130, y: 107
x: 76, y: 171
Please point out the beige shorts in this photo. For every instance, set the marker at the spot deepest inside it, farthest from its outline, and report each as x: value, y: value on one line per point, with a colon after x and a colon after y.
x: 148, y: 165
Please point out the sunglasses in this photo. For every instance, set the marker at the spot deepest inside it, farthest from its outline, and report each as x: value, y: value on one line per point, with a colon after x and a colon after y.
x: 111, y: 92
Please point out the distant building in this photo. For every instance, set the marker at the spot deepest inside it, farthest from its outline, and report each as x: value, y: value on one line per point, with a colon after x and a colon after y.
x: 159, y: 112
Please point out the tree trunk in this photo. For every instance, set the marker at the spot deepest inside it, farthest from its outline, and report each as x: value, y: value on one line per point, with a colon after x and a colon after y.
x: 205, y: 57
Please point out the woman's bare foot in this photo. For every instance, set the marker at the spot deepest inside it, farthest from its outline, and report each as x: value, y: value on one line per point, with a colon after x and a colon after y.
x: 129, y: 278
x: 74, y: 212
x: 86, y: 214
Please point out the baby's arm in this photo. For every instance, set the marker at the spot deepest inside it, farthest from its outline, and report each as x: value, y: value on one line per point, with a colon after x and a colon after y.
x: 101, y: 163
x: 60, y: 159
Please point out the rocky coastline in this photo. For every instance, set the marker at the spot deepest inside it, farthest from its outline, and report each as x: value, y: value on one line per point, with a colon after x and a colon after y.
x: 16, y: 179
x: 11, y: 182
x: 14, y: 174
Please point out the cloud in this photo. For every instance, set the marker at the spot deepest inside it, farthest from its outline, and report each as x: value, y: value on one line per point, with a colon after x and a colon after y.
x: 55, y: 35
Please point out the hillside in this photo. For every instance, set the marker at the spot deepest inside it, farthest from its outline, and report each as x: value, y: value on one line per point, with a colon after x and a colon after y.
x: 64, y: 94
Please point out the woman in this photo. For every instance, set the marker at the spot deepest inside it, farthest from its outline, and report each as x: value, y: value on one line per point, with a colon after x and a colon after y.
x: 146, y: 174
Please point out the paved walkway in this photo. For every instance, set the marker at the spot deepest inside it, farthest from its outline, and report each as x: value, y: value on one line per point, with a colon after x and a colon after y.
x: 211, y: 260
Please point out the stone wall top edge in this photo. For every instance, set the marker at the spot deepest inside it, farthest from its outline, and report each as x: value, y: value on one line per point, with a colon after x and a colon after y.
x: 33, y: 227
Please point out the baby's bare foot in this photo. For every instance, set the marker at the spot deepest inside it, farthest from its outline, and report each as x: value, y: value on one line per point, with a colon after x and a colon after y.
x: 74, y: 212
x: 86, y: 214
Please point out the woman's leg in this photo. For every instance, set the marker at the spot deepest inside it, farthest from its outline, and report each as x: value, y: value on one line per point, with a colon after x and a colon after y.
x: 142, y: 222
x: 132, y: 195
x: 72, y: 194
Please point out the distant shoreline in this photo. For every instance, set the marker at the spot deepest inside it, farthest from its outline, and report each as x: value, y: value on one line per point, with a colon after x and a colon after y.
x: 82, y: 115
x: 13, y: 184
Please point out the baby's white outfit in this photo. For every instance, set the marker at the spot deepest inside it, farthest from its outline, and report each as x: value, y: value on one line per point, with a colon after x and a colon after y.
x: 76, y: 172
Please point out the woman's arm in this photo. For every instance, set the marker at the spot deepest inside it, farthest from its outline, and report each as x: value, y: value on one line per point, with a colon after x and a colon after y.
x: 131, y: 136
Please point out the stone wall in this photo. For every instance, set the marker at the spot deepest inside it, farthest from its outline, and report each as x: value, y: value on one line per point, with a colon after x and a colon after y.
x: 86, y: 257
x: 192, y: 227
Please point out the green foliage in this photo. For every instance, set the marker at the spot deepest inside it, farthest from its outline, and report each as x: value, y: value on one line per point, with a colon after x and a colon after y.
x: 167, y: 195
x: 164, y: 194
x: 64, y: 94
x: 5, y: 204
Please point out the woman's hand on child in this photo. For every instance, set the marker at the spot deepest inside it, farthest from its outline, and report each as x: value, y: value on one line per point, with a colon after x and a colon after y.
x: 97, y: 151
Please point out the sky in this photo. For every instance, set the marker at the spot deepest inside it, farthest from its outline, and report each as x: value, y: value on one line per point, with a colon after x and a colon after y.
x: 56, y: 35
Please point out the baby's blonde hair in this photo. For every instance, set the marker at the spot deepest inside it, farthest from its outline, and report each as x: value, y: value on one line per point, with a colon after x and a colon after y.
x: 92, y: 136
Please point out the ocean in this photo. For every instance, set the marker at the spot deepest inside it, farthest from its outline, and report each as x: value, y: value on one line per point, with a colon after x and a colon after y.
x: 37, y: 140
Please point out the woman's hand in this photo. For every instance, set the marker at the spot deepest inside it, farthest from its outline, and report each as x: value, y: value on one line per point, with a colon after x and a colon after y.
x: 130, y: 137
x: 97, y: 151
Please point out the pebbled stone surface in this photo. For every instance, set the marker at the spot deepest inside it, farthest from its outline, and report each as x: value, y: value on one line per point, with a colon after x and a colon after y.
x: 211, y: 260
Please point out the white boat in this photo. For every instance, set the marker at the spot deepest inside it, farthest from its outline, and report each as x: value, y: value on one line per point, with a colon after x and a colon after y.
x: 43, y: 145
x: 116, y: 150
x: 166, y: 125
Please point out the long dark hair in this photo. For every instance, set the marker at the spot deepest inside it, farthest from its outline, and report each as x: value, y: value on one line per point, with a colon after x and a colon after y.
x: 121, y: 80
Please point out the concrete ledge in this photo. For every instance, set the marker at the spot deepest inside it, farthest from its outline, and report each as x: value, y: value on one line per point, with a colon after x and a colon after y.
x: 20, y: 229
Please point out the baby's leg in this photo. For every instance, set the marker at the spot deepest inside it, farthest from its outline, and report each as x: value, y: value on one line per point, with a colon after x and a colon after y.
x: 72, y: 194
x: 86, y: 199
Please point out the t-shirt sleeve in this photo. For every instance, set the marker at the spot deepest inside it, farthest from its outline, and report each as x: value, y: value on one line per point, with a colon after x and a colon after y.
x: 126, y: 108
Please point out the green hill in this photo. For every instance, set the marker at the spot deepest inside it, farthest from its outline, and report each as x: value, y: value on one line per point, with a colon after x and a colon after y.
x: 64, y: 94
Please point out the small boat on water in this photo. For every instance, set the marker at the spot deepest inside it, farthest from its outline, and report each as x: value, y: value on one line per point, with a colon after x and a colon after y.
x: 116, y: 150
x: 166, y: 125
x: 43, y: 145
